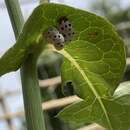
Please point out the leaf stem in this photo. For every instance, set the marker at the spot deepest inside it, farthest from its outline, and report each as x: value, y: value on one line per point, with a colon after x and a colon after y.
x: 31, y: 91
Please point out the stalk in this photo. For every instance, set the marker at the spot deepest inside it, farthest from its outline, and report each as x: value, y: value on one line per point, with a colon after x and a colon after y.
x: 31, y: 94
x: 30, y: 87
x: 15, y: 15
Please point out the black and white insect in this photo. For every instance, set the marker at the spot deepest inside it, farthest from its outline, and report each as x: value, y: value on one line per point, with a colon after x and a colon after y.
x: 66, y: 29
x: 56, y: 38
x: 61, y: 35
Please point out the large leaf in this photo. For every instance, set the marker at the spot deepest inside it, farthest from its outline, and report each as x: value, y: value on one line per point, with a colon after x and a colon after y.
x: 94, y: 60
x: 88, y: 27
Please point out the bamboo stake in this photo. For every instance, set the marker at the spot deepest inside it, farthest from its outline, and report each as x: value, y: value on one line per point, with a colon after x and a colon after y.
x: 48, y: 105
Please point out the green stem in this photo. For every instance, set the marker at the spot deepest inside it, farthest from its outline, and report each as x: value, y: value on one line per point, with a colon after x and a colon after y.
x: 31, y: 91
x: 16, y: 16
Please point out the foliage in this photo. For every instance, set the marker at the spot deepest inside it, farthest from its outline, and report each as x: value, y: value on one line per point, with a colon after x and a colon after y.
x: 94, y: 62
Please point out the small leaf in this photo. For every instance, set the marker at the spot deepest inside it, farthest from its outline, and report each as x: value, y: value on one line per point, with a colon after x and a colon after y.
x: 122, y: 93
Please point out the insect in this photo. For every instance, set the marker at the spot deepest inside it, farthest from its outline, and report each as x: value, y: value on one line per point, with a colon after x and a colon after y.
x: 60, y: 35
x: 56, y: 38
x: 66, y: 29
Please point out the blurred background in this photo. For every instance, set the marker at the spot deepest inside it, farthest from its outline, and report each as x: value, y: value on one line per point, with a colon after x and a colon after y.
x: 11, y: 101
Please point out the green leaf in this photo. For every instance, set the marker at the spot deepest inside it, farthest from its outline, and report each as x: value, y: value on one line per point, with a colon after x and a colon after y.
x: 94, y: 60
x: 95, y: 65
x: 116, y: 116
x: 122, y: 93
x: 88, y: 27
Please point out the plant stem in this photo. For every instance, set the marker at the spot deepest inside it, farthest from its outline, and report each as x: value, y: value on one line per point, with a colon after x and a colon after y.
x: 16, y: 16
x: 31, y: 91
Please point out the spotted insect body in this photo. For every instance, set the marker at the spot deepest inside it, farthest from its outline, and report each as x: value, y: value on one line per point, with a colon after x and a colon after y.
x: 66, y: 29
x: 54, y: 37
x: 61, y: 35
